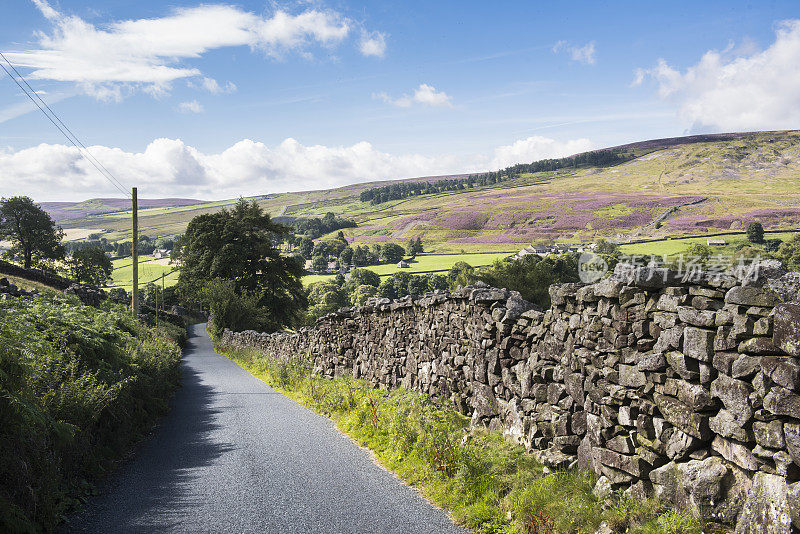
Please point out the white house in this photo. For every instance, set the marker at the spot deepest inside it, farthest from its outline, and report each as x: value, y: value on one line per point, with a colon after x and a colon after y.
x: 715, y: 242
x: 402, y: 265
x: 161, y: 253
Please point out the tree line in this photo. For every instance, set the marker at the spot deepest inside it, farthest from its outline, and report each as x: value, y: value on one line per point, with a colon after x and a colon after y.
x: 402, y: 190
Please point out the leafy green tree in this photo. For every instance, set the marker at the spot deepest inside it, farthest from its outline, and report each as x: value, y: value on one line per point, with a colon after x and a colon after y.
x: 362, y: 276
x: 33, y: 234
x: 237, y: 246
x: 319, y: 263
x: 700, y: 251
x: 362, y: 293
x: 90, y: 265
x: 386, y: 289
x: 606, y: 247
x: 346, y: 256
x: 755, y: 232
x: 436, y: 281
x: 323, y: 298
x: 461, y: 274
x: 414, y: 246
x: 789, y: 253
x: 392, y: 253
x: 532, y: 275
x: 306, y: 247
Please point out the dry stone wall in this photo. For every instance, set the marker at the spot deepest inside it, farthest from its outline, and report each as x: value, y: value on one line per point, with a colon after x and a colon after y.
x: 688, y: 391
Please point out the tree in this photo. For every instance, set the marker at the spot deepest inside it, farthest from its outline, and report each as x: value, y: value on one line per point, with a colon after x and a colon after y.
x: 755, y: 232
x: 461, y: 274
x: 33, y: 234
x: 346, y: 256
x: 319, y: 263
x: 392, y: 253
x: 237, y: 246
x: 363, y: 276
x: 306, y: 247
x: 414, y: 246
x: 362, y: 293
x: 90, y: 265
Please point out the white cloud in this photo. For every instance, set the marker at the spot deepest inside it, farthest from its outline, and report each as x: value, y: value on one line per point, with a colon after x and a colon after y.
x: 192, y: 106
x: 373, y: 44
x: 737, y: 89
x: 112, y: 60
x: 169, y: 167
x: 212, y: 86
x: 582, y: 54
x: 536, y: 148
x: 424, y: 94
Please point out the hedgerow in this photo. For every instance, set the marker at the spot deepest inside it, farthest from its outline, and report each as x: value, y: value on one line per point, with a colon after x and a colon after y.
x: 78, y: 385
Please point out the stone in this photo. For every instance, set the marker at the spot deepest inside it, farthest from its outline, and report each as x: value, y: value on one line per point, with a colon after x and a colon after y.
x: 791, y: 433
x: 734, y: 394
x: 694, y: 396
x: 698, y: 343
x: 766, y: 510
x: 652, y: 362
x: 680, y: 445
x: 735, y: 452
x: 630, y: 376
x: 793, y: 499
x: 769, y: 434
x: 725, y: 424
x: 688, y: 369
x: 752, y: 296
x: 699, y: 485
x: 783, y: 370
x: 745, y: 366
x: 758, y: 345
x: 683, y: 417
x: 692, y: 316
x: 781, y: 401
x: 602, y: 489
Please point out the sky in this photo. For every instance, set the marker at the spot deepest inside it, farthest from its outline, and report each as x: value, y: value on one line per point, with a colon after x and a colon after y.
x: 218, y: 100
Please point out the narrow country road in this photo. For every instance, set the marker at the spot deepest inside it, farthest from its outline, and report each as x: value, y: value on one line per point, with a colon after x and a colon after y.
x: 235, y: 456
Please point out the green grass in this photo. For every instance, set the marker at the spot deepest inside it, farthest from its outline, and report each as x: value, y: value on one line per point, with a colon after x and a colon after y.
x: 484, y: 481
x: 672, y: 247
x: 423, y: 263
x: 123, y: 273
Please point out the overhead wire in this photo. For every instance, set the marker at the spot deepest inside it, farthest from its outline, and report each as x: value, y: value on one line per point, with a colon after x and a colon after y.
x: 61, y: 126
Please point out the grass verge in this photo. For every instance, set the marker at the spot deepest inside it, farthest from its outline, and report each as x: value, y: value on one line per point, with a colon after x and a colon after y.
x: 484, y: 481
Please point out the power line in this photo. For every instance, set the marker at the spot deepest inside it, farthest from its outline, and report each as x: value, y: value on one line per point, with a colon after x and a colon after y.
x: 59, y: 124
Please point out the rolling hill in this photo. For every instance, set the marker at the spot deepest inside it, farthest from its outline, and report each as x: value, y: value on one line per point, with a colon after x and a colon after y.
x: 672, y: 187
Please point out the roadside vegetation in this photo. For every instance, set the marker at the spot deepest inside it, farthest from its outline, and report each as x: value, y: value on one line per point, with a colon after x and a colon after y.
x: 78, y: 386
x: 483, y: 480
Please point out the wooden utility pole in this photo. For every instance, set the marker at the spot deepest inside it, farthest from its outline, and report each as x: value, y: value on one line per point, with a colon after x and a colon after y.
x: 135, y: 299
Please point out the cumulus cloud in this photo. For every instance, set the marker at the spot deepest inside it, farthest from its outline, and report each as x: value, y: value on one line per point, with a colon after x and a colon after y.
x: 372, y: 44
x: 424, y: 94
x: 536, y: 148
x: 582, y: 54
x: 736, y: 88
x: 192, y: 106
x: 112, y: 60
x: 169, y: 167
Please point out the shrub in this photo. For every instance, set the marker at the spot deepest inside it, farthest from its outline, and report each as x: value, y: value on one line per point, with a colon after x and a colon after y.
x: 77, y: 386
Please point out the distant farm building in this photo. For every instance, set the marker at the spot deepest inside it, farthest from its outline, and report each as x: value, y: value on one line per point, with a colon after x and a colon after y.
x: 160, y: 253
x: 715, y: 242
x: 402, y: 265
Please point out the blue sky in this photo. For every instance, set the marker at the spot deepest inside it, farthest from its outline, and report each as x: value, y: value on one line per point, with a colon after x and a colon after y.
x: 218, y: 100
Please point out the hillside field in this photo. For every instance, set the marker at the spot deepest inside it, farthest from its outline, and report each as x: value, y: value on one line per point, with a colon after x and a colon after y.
x: 710, y: 186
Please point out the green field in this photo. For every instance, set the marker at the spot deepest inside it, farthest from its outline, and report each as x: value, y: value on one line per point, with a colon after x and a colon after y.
x: 673, y: 247
x: 148, y: 272
x: 424, y: 263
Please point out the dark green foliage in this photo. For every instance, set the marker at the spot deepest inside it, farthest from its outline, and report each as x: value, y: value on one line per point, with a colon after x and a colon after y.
x: 78, y: 385
x: 90, y: 265
x: 324, y: 298
x: 414, y: 247
x: 392, y: 253
x: 361, y: 276
x: 33, y: 234
x: 316, y: 227
x: 238, y: 246
x: 755, y: 232
x: 789, y: 253
x: 532, y: 275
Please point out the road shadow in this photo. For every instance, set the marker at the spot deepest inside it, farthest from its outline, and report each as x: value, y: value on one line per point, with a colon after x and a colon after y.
x: 150, y: 492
